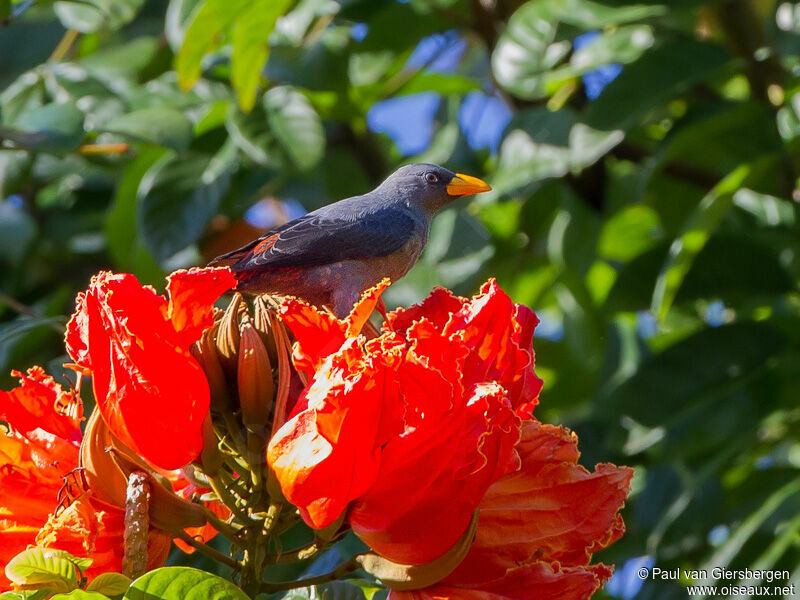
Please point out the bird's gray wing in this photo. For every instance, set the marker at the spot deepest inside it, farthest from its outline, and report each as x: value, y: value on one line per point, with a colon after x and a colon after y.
x: 319, y: 238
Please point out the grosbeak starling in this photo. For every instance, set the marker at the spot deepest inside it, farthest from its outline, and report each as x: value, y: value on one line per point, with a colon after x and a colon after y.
x: 331, y: 255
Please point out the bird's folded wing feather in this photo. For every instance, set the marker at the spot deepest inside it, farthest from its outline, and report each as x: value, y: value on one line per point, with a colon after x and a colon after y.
x: 318, y: 239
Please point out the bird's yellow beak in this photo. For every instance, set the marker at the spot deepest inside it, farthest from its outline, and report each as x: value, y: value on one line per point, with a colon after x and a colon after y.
x: 464, y: 185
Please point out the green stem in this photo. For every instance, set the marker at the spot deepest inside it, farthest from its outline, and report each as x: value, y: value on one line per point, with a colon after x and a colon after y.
x: 270, y: 587
x: 227, y: 499
x: 212, y: 553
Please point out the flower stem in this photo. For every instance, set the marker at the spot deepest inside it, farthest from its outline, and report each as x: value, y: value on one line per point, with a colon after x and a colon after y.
x: 212, y: 553
x: 270, y: 587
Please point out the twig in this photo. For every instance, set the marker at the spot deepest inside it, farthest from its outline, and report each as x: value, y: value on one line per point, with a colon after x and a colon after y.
x: 212, y: 553
x: 337, y: 573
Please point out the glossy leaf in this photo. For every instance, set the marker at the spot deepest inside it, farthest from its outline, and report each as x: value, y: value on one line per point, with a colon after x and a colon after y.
x: 296, y: 125
x: 159, y: 125
x: 182, y: 583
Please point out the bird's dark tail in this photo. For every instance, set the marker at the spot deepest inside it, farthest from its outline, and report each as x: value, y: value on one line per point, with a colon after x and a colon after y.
x: 231, y: 258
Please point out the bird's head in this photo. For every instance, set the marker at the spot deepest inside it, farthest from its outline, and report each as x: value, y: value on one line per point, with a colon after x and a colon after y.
x: 430, y: 187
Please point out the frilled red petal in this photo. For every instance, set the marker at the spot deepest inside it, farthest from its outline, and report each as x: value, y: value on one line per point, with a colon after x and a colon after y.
x: 319, y: 333
x: 328, y: 454
x: 437, y: 308
x: 432, y: 477
x: 41, y: 403
x: 192, y: 295
x: 140, y: 364
x: 552, y: 509
x: 539, y: 581
x: 487, y: 324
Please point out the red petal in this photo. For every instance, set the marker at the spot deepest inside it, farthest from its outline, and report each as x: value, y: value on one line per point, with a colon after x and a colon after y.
x: 319, y: 334
x: 432, y: 477
x: 328, y: 454
x: 436, y: 308
x: 487, y: 325
x: 192, y: 295
x: 552, y: 509
x: 141, y: 366
x: 539, y: 580
x: 40, y: 403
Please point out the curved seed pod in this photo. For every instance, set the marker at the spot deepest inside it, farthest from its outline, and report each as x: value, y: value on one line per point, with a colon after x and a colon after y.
x: 415, y: 577
x: 262, y: 322
x: 108, y: 464
x: 137, y: 525
x: 227, y: 339
x: 204, y: 352
x: 254, y: 377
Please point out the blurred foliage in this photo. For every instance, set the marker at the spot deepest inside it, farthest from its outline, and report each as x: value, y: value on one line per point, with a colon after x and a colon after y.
x: 651, y: 220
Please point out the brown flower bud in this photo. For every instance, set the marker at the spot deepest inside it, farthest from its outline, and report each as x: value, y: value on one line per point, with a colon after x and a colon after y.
x: 254, y: 377
x: 227, y: 338
x: 205, y: 352
x: 262, y: 322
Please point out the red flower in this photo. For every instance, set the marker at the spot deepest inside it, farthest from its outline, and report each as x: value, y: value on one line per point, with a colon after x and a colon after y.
x: 38, y: 449
x: 151, y: 392
x: 412, y: 427
x: 539, y: 526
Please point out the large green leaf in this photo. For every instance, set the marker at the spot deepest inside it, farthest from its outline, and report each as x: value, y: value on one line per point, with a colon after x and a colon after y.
x: 55, y: 128
x: 82, y: 595
x: 296, y: 125
x: 698, y: 229
x: 158, y: 125
x: 656, y: 78
x: 540, y: 144
x: 88, y: 16
x: 177, y: 198
x: 208, y: 22
x: 337, y: 590
x: 732, y: 268
x: 528, y: 54
x: 110, y: 584
x: 182, y: 583
x: 251, y: 47
x: 44, y: 567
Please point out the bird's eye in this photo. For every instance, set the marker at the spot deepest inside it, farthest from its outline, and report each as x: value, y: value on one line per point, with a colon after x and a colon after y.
x: 431, y: 177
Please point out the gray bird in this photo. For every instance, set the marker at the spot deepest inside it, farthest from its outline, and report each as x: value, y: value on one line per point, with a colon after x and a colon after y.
x: 331, y: 255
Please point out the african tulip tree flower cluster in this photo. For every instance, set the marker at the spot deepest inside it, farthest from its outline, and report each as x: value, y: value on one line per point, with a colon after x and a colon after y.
x: 419, y: 438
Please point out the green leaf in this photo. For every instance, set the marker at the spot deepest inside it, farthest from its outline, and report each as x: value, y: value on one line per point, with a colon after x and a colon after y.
x: 630, y: 232
x: 5, y: 8
x: 110, y: 584
x: 88, y: 16
x: 443, y: 83
x: 178, y: 197
x: 296, y: 125
x: 251, y: 47
x: 83, y: 595
x: 124, y: 244
x: 540, y: 144
x: 27, y: 594
x: 44, y: 567
x: 182, y: 583
x: 56, y: 128
x: 208, y: 22
x: 529, y: 50
x: 159, y: 125
x: 702, y: 223
x: 337, y: 590
x: 731, y: 268
x: 722, y: 557
x: 656, y: 78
